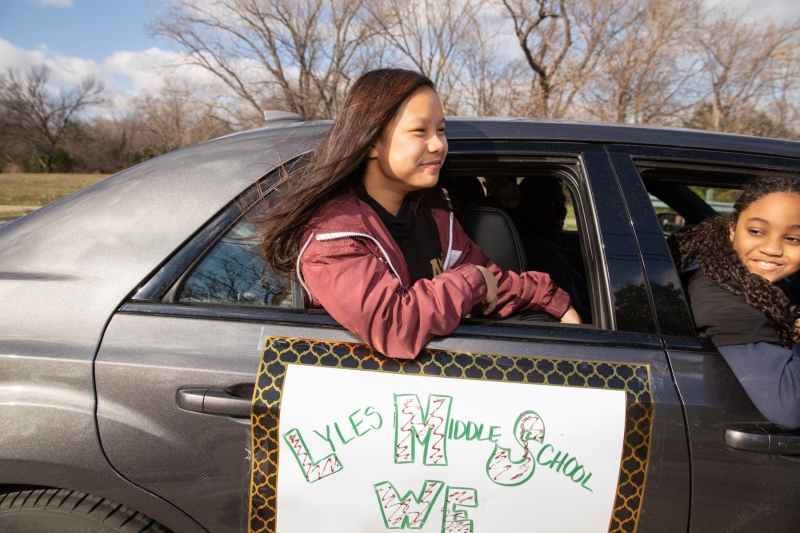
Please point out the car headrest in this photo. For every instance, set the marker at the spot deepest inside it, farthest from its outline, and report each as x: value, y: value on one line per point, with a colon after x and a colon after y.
x: 494, y: 233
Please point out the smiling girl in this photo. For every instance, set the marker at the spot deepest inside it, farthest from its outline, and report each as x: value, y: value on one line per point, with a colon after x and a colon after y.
x: 369, y: 233
x: 741, y: 262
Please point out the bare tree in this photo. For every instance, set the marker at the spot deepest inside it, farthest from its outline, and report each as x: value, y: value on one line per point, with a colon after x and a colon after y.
x: 431, y: 36
x: 299, y: 55
x: 40, y: 119
x: 745, y: 66
x: 645, y: 75
x: 562, y: 42
x: 180, y: 115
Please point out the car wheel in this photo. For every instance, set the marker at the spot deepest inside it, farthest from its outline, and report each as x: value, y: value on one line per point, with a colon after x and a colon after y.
x: 27, y: 509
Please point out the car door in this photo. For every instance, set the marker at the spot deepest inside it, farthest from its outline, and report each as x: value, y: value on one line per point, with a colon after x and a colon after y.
x: 740, y: 480
x: 605, y: 448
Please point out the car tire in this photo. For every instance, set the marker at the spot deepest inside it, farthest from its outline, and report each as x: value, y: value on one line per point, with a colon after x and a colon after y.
x: 27, y: 509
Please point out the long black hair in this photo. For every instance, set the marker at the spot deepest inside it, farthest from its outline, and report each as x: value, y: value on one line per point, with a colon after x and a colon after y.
x: 337, y: 164
x: 709, y: 243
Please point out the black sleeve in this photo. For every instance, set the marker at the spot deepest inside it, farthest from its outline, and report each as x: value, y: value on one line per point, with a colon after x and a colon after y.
x: 771, y: 377
x: 725, y: 318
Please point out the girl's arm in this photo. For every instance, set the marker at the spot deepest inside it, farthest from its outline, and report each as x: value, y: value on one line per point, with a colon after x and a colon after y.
x: 516, y: 292
x: 359, y: 290
x: 771, y: 377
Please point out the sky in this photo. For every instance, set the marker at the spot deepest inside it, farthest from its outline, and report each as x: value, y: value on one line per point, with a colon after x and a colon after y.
x: 109, y: 39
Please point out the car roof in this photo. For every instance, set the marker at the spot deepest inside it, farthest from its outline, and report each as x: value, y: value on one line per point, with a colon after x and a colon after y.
x: 65, y: 268
x: 464, y: 128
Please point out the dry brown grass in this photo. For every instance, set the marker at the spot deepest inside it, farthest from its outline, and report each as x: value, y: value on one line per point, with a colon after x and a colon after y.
x: 41, y: 189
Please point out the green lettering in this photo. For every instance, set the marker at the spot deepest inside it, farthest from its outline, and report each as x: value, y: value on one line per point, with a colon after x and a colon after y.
x: 579, y: 469
x: 356, y: 424
x: 409, y: 511
x: 376, y: 413
x: 494, y: 436
x: 585, y: 481
x: 558, y: 460
x: 539, y: 455
x: 566, y: 467
x: 312, y: 470
x: 472, y: 430
x: 456, y: 434
x: 339, y: 432
x: 327, y: 438
x: 454, y: 518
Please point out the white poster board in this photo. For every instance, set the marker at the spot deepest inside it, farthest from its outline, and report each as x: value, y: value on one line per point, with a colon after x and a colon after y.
x: 369, y: 451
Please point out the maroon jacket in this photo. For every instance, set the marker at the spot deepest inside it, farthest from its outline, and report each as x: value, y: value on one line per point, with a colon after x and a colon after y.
x: 350, y: 265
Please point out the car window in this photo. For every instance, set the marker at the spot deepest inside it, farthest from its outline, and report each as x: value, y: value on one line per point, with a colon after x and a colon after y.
x: 234, y: 273
x: 719, y: 199
x: 544, y: 215
x: 542, y: 209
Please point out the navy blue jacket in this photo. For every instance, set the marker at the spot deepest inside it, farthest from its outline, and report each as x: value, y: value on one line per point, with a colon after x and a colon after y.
x: 750, y: 344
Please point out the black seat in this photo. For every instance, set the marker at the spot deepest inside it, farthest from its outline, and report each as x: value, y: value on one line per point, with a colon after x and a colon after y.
x: 494, y: 233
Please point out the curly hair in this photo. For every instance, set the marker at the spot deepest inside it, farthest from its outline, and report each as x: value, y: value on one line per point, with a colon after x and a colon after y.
x: 709, y: 243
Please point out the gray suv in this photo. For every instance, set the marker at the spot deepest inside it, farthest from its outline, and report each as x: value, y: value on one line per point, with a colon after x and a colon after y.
x: 155, y: 376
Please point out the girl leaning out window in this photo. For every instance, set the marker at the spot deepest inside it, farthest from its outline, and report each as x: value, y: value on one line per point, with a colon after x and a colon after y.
x: 369, y: 233
x: 738, y: 265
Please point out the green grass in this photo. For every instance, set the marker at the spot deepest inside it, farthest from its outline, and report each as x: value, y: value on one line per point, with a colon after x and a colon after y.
x: 41, y: 189
x: 4, y: 214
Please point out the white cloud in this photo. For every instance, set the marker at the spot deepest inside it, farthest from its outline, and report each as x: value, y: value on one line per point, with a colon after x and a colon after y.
x: 54, y: 3
x: 125, y: 74
x: 777, y: 11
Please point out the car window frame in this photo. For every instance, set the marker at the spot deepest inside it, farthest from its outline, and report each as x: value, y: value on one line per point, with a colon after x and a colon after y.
x: 630, y: 162
x: 158, y: 294
x: 569, y: 169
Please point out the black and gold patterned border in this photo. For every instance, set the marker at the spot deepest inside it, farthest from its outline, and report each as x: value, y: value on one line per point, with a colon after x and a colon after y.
x: 279, y: 352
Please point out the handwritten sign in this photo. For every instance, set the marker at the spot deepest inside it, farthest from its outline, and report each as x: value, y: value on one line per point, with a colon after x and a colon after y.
x: 366, y: 452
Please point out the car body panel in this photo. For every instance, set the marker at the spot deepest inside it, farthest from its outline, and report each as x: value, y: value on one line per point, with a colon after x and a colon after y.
x: 170, y: 346
x: 713, y: 398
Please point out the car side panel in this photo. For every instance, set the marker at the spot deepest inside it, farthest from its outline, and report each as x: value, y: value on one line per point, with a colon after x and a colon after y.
x: 732, y: 490
x: 153, y: 349
x: 198, y: 462
x: 48, y: 437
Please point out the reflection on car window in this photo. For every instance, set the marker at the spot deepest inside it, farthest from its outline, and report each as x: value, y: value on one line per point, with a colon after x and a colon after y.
x: 719, y: 199
x: 234, y: 273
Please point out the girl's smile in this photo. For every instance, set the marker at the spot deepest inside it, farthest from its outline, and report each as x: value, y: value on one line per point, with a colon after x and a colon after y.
x: 767, y: 236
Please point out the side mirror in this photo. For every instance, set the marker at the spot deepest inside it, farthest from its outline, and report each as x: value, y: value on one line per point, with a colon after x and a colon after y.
x: 670, y: 222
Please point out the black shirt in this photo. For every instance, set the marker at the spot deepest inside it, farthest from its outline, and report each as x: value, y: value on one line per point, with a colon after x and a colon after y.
x: 415, y: 233
x: 725, y: 318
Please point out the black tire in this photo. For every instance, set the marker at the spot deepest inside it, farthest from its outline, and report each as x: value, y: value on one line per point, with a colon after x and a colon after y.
x: 27, y: 509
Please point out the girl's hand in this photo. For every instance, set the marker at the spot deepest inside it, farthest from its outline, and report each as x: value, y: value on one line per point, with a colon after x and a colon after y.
x: 571, y: 316
x: 490, y: 302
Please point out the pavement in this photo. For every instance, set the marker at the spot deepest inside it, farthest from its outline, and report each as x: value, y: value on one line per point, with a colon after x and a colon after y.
x: 21, y: 209
x: 18, y: 208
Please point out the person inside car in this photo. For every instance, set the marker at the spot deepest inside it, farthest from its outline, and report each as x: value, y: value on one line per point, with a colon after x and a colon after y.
x: 538, y: 207
x: 370, y: 235
x: 737, y: 265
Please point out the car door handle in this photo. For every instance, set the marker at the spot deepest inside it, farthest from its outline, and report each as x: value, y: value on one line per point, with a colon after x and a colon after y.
x: 213, y: 402
x: 763, y: 438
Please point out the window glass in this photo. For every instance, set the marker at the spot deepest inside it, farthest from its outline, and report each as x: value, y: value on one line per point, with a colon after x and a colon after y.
x: 234, y: 273
x: 539, y: 206
x: 675, y: 212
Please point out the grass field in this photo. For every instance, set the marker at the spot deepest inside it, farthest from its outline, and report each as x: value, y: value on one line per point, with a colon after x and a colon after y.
x: 33, y: 190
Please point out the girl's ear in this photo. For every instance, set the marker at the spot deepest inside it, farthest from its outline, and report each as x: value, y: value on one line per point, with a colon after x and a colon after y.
x: 732, y: 231
x: 372, y: 152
